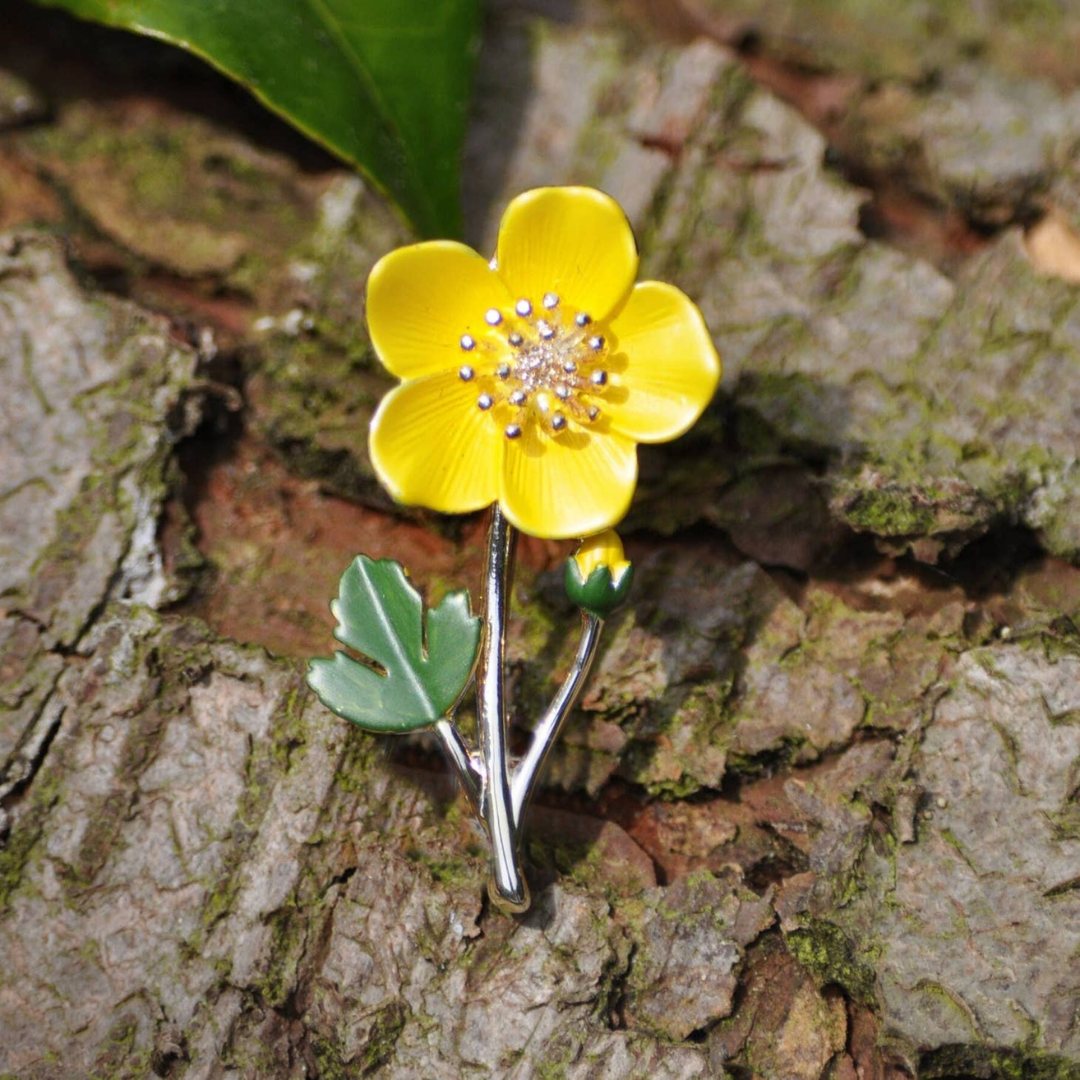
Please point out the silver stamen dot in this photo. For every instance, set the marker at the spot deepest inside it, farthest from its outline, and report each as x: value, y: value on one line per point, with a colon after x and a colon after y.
x: 594, y: 412
x: 523, y: 308
x: 493, y: 316
x: 518, y: 397
x: 485, y: 401
x: 599, y: 378
x: 582, y: 319
x: 558, y: 421
x: 467, y: 343
x: 515, y: 339
x: 550, y: 300
x: 562, y: 392
x: 512, y: 431
x: 503, y: 371
x: 596, y: 343
x: 569, y: 367
x: 465, y: 373
x: 547, y: 331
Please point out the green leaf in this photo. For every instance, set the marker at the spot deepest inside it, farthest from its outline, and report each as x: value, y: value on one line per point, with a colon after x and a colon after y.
x: 382, y: 83
x: 381, y: 616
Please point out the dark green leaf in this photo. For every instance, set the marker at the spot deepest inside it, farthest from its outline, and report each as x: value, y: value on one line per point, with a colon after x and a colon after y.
x: 382, y: 83
x: 381, y: 616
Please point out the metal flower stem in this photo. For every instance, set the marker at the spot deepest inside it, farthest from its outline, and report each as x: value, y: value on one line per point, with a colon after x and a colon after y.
x: 504, y: 793
x: 547, y: 731
x: 507, y: 889
x: 499, y: 794
x: 463, y: 761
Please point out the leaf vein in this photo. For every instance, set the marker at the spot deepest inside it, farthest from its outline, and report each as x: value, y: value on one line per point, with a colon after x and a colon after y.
x: 341, y: 38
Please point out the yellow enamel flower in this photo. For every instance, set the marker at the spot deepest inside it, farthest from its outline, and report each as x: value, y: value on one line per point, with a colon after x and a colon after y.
x: 529, y: 381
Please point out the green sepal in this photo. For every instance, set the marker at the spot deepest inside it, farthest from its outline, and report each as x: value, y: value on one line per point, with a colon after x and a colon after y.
x: 597, y: 594
x: 421, y: 661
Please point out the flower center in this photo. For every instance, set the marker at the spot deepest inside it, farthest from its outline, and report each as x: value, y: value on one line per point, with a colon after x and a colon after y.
x: 543, y: 362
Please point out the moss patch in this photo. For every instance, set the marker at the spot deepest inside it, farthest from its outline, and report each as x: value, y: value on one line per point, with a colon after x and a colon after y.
x: 994, y: 1063
x: 825, y: 951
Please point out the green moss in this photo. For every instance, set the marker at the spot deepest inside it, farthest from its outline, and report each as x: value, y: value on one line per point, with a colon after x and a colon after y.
x: 118, y: 1059
x: 172, y: 189
x: 994, y: 1063
x: 889, y: 512
x: 289, y: 745
x: 454, y: 873
x: 329, y: 1060
x: 288, y: 934
x: 825, y: 951
x: 15, y: 855
x: 682, y: 788
x: 386, y: 1029
x: 557, y: 1070
x: 361, y: 753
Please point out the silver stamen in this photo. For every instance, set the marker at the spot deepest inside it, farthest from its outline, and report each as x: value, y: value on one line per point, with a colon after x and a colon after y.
x: 562, y: 392
x: 485, y: 401
x: 503, y: 371
x: 550, y: 300
x: 493, y: 316
x: 582, y: 319
x: 512, y: 431
x: 558, y: 421
x: 518, y: 397
x: 467, y: 343
x: 523, y: 307
x: 594, y: 412
x: 598, y: 378
x: 547, y: 331
x: 569, y: 367
x: 515, y: 339
x: 465, y: 373
x: 596, y: 343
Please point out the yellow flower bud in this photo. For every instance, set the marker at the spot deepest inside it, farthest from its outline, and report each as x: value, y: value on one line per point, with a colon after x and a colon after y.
x: 598, y: 575
x: 602, y: 549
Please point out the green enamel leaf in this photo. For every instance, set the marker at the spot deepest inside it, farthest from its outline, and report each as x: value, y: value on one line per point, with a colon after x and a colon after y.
x: 382, y: 83
x: 381, y: 616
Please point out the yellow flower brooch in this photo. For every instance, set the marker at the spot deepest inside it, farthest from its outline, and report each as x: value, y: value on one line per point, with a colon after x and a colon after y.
x: 527, y: 383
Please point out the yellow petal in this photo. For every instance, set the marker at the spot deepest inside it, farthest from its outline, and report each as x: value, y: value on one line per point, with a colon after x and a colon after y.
x: 602, y: 549
x: 431, y: 446
x: 571, y: 241
x: 571, y: 484
x: 421, y: 300
x: 666, y: 368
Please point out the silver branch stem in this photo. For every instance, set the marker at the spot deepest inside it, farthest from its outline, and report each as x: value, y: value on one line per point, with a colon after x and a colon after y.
x: 500, y: 795
x: 463, y: 761
x: 507, y: 889
x: 547, y: 731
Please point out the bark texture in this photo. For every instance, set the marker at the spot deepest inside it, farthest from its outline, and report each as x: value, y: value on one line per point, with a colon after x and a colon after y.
x: 817, y: 816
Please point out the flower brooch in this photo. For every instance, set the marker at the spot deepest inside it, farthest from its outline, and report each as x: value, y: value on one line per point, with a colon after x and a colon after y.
x: 527, y: 383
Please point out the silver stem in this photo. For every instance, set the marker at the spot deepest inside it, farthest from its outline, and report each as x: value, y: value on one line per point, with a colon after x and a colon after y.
x: 463, y: 762
x: 547, y: 731
x: 507, y: 889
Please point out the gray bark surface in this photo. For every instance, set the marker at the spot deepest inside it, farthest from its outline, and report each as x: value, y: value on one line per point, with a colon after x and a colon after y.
x: 806, y: 824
